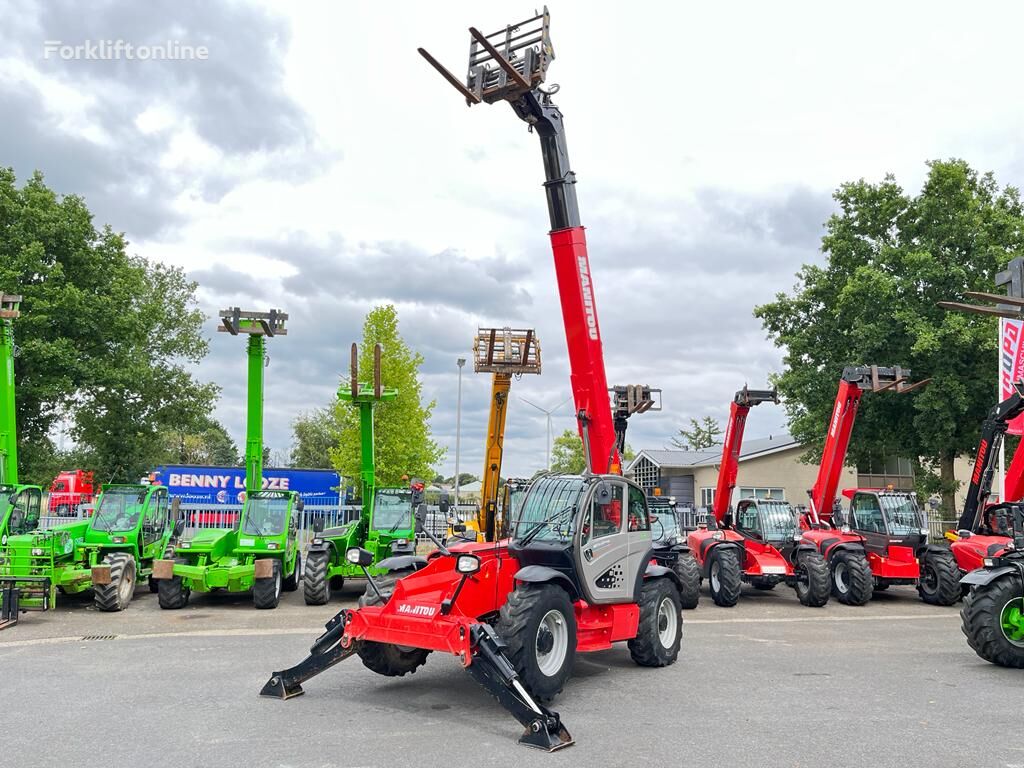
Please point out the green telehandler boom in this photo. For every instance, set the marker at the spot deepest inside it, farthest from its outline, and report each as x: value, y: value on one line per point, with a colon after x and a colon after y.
x: 261, y: 552
x: 385, y: 524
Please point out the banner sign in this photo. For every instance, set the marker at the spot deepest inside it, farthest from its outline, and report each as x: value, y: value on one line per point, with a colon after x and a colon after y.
x: 226, y: 485
x: 1011, y: 364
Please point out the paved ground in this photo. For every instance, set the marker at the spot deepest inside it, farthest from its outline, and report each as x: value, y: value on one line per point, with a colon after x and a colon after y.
x: 768, y: 683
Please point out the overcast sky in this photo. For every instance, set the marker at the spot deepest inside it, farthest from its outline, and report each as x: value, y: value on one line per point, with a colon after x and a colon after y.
x: 315, y: 163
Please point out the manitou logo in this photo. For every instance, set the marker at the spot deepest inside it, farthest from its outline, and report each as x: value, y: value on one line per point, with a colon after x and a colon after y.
x: 835, y: 421
x: 416, y: 610
x: 979, y: 464
x: 588, y: 297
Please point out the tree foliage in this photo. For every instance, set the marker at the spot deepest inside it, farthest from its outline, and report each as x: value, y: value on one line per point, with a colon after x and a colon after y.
x: 314, y: 435
x: 701, y: 434
x: 567, y: 453
x: 891, y: 257
x: 403, y: 445
x: 211, y: 445
x: 103, y: 339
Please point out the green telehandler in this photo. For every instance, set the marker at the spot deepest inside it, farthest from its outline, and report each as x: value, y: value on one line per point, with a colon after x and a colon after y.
x: 385, y: 525
x: 261, y: 552
x: 109, y: 553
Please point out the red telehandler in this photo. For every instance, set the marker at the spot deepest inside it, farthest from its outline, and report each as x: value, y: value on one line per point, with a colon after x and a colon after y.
x: 575, y: 574
x: 885, y: 535
x: 761, y: 544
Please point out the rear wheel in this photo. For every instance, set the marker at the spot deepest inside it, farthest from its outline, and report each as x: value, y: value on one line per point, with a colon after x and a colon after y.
x: 688, y: 571
x: 660, y: 630
x: 116, y: 595
x: 724, y: 577
x: 291, y: 582
x: 171, y: 593
x: 852, y: 582
x: 538, y: 624
x: 940, y: 579
x: 315, y: 589
x: 385, y: 584
x: 386, y: 658
x: 266, y: 592
x: 992, y: 618
x: 812, y: 581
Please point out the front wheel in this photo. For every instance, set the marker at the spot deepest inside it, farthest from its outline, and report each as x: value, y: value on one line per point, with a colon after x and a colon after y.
x: 992, y: 618
x: 538, y: 625
x: 266, y: 592
x: 812, y: 582
x: 688, y: 571
x: 116, y: 595
x: 724, y: 577
x: 660, y: 631
x: 940, y: 579
x: 171, y: 593
x: 315, y: 589
x: 852, y: 582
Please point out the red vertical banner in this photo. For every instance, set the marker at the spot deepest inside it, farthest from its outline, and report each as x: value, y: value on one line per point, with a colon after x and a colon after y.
x: 1011, y: 364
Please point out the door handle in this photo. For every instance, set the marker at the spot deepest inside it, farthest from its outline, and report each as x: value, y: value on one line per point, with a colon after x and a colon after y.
x: 588, y: 554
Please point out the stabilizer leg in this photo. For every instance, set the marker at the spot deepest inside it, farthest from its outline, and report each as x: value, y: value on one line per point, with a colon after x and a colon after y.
x: 324, y: 654
x: 492, y: 669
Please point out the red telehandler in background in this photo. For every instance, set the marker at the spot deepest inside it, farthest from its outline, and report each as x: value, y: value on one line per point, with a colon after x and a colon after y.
x: 868, y: 550
x: 761, y: 544
x: 575, y: 574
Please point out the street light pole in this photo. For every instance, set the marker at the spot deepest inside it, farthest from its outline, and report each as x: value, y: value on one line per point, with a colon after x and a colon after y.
x: 458, y: 432
x: 547, y: 413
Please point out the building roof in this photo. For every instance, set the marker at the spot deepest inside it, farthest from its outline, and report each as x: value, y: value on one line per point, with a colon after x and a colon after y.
x: 752, y: 449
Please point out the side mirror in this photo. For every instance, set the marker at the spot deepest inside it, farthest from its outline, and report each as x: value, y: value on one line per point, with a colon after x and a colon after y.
x: 459, y: 527
x: 299, y: 504
x: 179, y: 528
x: 421, y: 517
x: 727, y: 520
x: 603, y: 494
x: 444, y: 505
x: 318, y: 524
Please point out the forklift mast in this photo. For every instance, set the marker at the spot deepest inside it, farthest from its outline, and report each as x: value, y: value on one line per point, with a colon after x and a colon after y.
x: 258, y: 326
x: 855, y: 381
x: 993, y: 429
x: 741, y: 404
x: 366, y: 397
x: 504, y: 353
x: 9, y: 305
x: 510, y: 65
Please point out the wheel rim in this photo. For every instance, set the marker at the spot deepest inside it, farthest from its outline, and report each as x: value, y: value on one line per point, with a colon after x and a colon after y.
x: 929, y: 579
x: 1011, y: 621
x: 277, y: 586
x: 552, y: 643
x: 668, y: 622
x: 126, y: 587
x: 840, y: 576
x: 716, y: 582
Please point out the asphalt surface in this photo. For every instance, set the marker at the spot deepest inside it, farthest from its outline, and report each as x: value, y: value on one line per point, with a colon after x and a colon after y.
x: 767, y: 683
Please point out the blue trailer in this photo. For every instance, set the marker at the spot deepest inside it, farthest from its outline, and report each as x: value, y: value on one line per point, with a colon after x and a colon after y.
x: 225, y: 486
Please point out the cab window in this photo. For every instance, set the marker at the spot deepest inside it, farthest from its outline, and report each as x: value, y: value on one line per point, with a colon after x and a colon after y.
x: 867, y: 514
x: 748, y: 519
x: 604, y: 516
x: 638, y: 519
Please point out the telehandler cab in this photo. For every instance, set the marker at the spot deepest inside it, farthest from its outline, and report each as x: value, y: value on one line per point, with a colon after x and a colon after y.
x: 261, y: 552
x: 575, y: 575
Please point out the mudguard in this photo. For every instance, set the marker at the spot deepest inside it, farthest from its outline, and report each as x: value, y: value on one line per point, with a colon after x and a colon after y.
x: 936, y: 549
x: 705, y: 562
x: 980, y: 577
x: 659, y: 572
x: 401, y: 562
x: 541, y: 574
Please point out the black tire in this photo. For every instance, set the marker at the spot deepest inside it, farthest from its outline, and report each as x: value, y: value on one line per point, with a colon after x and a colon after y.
x: 116, y: 595
x: 337, y: 582
x: 981, y: 622
x: 813, y: 584
x: 534, y: 616
x: 266, y: 592
x: 852, y: 582
x: 764, y: 584
x: 315, y: 590
x: 688, y: 571
x: 391, y: 660
x: 386, y: 585
x: 658, y: 638
x: 291, y: 581
x: 940, y: 579
x: 154, y: 587
x: 724, y: 577
x: 171, y: 593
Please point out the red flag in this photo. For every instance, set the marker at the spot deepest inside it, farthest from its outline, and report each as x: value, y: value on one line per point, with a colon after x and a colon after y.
x: 1011, y: 364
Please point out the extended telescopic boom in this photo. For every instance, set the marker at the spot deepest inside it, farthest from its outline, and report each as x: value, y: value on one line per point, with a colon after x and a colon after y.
x: 9, y: 305
x: 744, y: 400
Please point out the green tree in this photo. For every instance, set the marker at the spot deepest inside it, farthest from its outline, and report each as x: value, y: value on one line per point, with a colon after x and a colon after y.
x: 104, y: 337
x: 567, y: 453
x: 701, y: 434
x: 403, y: 445
x: 211, y: 444
x: 891, y: 258
x: 314, y: 434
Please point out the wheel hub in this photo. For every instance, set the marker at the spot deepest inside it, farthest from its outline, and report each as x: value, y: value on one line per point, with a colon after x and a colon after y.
x: 552, y: 643
x: 668, y: 618
x: 1011, y: 620
x: 840, y: 577
x: 545, y: 640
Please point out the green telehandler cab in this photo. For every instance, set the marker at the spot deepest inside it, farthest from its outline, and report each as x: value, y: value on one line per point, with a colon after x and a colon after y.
x: 261, y: 552
x: 385, y: 525
x: 110, y: 552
